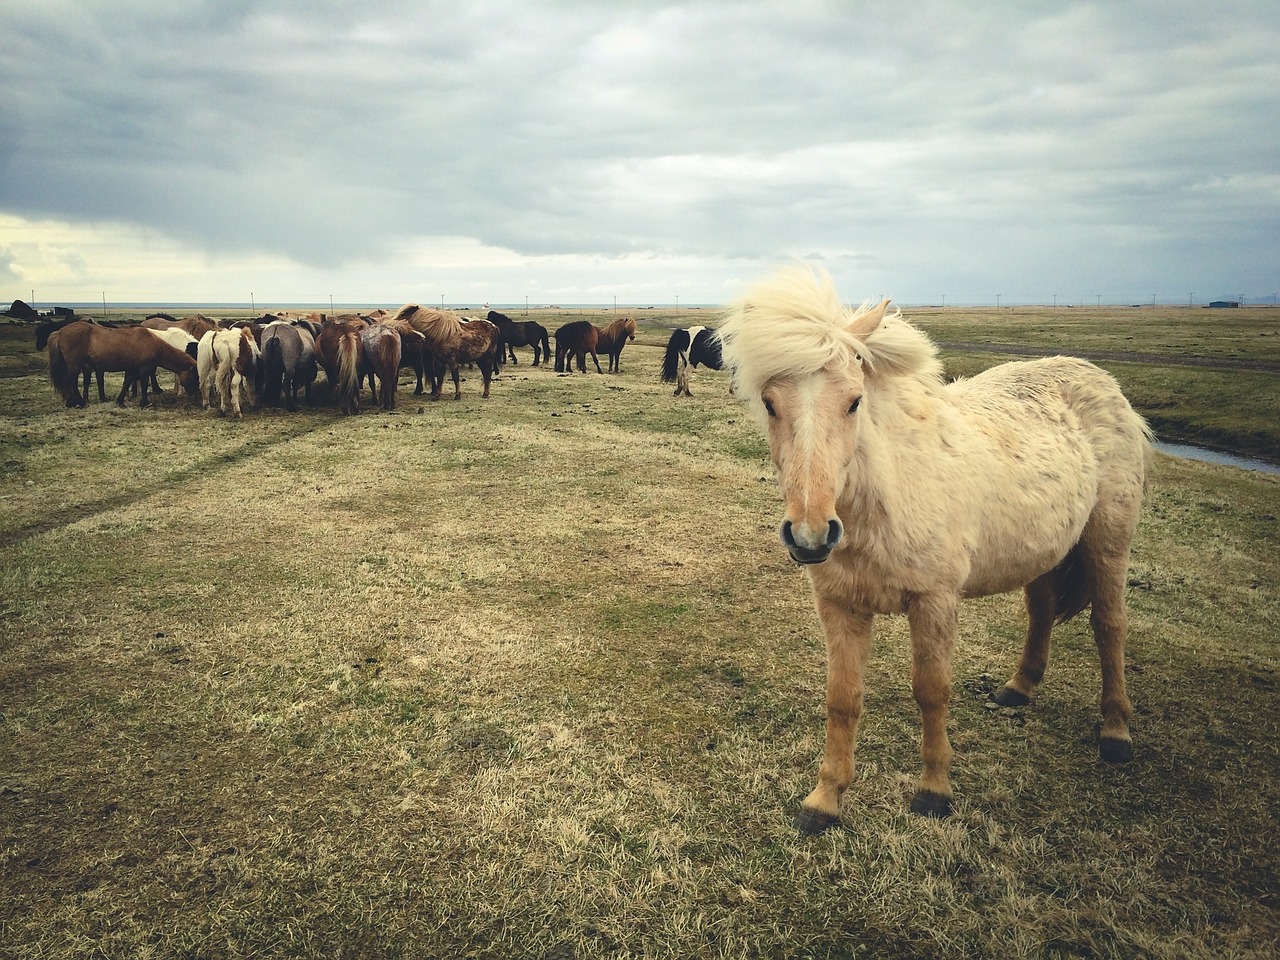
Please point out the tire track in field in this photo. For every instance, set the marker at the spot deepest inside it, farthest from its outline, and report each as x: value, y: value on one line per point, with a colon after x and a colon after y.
x: 1154, y: 359
x: 141, y: 491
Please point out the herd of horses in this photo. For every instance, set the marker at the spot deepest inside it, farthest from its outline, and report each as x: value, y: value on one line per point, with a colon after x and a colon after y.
x: 902, y: 493
x: 275, y: 357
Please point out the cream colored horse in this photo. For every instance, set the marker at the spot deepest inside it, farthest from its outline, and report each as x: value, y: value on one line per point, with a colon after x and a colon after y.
x: 904, y: 494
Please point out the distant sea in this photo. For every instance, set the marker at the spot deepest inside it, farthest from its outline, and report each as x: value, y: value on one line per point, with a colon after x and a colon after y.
x: 133, y: 307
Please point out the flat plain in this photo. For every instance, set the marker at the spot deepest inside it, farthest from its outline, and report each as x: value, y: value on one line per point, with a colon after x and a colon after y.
x: 531, y: 677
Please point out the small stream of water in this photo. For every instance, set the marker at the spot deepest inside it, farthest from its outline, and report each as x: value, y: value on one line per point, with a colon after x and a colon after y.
x: 1212, y: 456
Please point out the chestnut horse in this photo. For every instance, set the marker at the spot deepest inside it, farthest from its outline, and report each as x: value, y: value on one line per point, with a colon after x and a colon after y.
x: 904, y: 494
x: 574, y: 341
x: 611, y: 339
x: 413, y: 347
x: 452, y: 342
x: 338, y: 352
x: 81, y: 348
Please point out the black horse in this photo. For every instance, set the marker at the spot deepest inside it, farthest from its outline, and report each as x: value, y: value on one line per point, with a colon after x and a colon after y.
x: 521, y: 333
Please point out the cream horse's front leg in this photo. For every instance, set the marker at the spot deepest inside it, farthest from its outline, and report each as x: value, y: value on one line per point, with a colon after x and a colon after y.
x: 848, y: 644
x: 933, y: 635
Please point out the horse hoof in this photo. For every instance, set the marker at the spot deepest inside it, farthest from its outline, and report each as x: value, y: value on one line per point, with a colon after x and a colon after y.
x: 927, y: 803
x: 1009, y: 697
x: 1114, y: 750
x: 812, y: 822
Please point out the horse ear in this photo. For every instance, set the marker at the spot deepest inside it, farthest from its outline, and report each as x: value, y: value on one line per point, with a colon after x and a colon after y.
x: 866, y: 322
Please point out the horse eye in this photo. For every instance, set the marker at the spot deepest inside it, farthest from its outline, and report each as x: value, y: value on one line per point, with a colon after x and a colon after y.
x: 853, y: 407
x: 768, y: 407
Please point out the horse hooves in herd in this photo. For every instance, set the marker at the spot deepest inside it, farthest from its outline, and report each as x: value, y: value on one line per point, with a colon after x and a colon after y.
x: 1115, y: 750
x: 927, y: 803
x: 812, y: 822
x: 1009, y: 697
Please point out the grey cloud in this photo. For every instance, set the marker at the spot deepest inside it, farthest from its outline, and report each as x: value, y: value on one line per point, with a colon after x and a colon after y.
x: 930, y: 141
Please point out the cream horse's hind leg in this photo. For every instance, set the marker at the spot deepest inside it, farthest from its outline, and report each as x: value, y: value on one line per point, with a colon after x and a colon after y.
x: 1108, y: 569
x: 1041, y: 601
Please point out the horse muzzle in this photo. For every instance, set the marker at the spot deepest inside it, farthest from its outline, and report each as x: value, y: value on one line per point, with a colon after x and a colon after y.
x: 806, y: 548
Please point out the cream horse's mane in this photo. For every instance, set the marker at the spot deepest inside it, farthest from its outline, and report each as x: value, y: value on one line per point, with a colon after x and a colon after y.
x: 793, y: 324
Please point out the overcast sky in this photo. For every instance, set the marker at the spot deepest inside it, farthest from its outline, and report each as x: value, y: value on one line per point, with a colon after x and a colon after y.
x: 570, y: 152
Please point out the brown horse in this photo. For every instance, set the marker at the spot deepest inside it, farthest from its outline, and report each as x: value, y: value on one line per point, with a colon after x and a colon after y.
x: 81, y: 348
x: 613, y: 338
x: 453, y: 342
x: 413, y: 347
x: 574, y: 341
x: 197, y: 324
x: 380, y: 358
x: 338, y: 353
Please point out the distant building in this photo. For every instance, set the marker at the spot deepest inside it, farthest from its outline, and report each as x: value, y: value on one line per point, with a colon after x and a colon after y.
x: 1223, y: 304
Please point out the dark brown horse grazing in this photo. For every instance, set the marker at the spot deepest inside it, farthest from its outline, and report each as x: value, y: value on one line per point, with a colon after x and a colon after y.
x: 453, y: 342
x: 613, y: 338
x: 80, y: 348
x: 380, y: 359
x: 521, y: 333
x: 338, y: 353
x: 574, y: 341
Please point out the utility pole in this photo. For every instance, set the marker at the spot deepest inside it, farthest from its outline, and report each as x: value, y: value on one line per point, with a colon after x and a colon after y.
x: 997, y: 301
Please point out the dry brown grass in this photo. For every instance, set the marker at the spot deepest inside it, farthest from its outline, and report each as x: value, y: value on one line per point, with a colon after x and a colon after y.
x: 531, y: 677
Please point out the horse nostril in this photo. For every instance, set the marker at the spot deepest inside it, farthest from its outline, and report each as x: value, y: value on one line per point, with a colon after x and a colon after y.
x: 835, y: 530
x: 787, y: 539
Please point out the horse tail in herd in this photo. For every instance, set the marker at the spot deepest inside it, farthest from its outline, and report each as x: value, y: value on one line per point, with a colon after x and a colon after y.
x: 63, y: 378
x: 272, y: 369
x: 348, y: 367
x: 390, y: 372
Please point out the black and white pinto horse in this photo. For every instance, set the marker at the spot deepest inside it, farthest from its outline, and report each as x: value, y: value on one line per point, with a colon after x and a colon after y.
x: 688, y: 348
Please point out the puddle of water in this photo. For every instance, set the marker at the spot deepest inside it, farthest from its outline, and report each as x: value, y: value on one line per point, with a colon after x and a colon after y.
x: 1212, y: 456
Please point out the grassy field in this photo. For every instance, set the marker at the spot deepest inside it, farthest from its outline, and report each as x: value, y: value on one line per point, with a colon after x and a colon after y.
x: 531, y: 677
